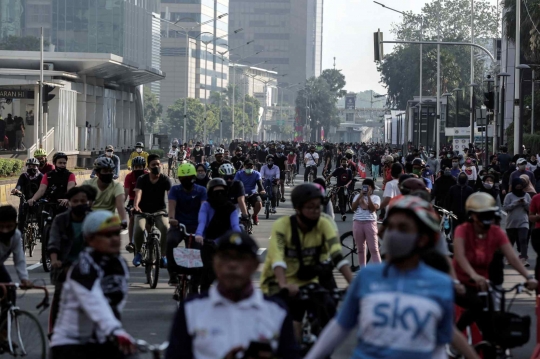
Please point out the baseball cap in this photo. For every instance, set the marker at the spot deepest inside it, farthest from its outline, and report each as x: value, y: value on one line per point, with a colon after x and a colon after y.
x: 237, y: 241
x: 100, y: 221
x: 521, y: 161
x: 109, y: 147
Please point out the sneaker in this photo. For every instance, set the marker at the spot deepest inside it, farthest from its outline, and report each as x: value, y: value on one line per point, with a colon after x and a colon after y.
x: 173, y: 281
x: 282, y: 199
x: 130, y: 248
x: 343, y: 217
x: 255, y: 219
x: 163, y: 262
x: 273, y: 210
x: 137, y: 259
x: 525, y: 262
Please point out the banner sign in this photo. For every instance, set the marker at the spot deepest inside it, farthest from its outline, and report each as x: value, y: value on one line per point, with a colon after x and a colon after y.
x: 350, y: 102
x: 16, y: 93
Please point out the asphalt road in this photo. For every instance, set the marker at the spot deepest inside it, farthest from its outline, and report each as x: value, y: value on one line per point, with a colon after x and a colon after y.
x: 149, y: 312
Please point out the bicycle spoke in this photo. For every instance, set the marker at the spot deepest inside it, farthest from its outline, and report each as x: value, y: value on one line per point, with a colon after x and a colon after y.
x: 27, y: 336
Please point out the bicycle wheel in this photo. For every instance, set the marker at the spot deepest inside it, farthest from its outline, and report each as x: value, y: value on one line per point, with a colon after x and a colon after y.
x: 152, y: 262
x: 267, y: 209
x: 33, y: 242
x: 348, y: 247
x: 45, y: 259
x: 350, y: 201
x: 278, y: 199
x: 27, y: 336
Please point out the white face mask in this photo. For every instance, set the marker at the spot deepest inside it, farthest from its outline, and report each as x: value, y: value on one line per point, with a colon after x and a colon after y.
x: 138, y: 149
x: 108, y: 154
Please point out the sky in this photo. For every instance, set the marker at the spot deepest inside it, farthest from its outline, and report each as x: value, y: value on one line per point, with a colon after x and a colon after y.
x: 348, y: 35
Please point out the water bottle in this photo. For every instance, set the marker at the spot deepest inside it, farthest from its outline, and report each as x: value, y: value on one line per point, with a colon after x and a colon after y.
x: 446, y: 223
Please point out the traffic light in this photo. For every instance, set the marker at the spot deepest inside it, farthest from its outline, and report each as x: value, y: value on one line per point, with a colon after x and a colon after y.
x: 47, y: 96
x: 378, y: 46
x: 489, y: 100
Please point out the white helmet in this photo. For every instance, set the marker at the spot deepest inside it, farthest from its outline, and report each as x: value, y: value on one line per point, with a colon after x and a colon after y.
x: 226, y: 169
x: 219, y: 151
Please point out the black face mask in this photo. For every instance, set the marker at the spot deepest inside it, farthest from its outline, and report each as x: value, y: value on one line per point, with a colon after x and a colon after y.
x: 106, y: 178
x: 344, y: 165
x: 31, y: 171
x: 138, y: 173
x: 270, y: 165
x: 447, y: 173
x: 61, y: 170
x: 309, y: 223
x: 5, y: 237
x: 42, y: 163
x: 155, y: 170
x: 80, y: 210
x: 462, y: 180
x: 187, y: 182
x: 217, y: 198
x: 229, y: 179
x: 518, y: 192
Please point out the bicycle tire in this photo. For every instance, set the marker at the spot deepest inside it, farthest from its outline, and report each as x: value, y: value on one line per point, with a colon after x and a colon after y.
x: 27, y: 335
x: 45, y: 259
x: 267, y: 209
x: 152, y: 262
x: 33, y: 243
x: 348, y: 247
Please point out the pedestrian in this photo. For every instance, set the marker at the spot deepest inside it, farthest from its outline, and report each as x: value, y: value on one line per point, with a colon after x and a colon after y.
x: 365, y: 206
x: 10, y: 131
x: 19, y: 134
x: 2, y: 132
x: 516, y: 205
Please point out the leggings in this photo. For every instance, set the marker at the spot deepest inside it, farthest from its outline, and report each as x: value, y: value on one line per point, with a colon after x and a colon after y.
x: 519, y: 235
x: 366, y: 231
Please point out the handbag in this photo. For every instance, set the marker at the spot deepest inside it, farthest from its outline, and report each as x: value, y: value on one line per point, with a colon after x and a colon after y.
x: 511, y: 330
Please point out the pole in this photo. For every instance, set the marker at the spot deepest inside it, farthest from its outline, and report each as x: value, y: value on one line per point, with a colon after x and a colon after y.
x: 244, y: 109
x: 187, y: 87
x: 233, y: 94
x: 205, y: 87
x: 503, y: 109
x: 421, y: 79
x: 517, y: 81
x: 221, y: 105
x: 532, y: 105
x: 40, y: 139
x: 495, y: 116
x: 471, y: 123
x: 438, y: 126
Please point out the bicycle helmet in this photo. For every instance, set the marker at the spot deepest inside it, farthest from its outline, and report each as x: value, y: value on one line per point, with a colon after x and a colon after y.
x: 417, y: 208
x: 139, y: 144
x: 40, y: 152
x: 215, y: 182
x: 175, y: 142
x: 103, y: 162
x: 32, y: 161
x: 138, y: 161
x: 349, y: 152
x: 303, y: 193
x: 226, y: 169
x: 219, y: 151
x: 238, y: 149
x: 186, y: 170
x: 481, y: 202
x: 418, y: 162
x: 59, y: 155
x: 388, y: 159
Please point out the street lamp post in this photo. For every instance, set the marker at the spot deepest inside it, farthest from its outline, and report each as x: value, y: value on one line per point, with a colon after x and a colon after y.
x: 457, y: 92
x: 447, y: 95
x: 502, y: 99
x: 518, y: 130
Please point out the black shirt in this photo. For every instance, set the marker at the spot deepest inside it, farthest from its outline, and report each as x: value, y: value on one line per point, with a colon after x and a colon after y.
x: 343, y: 176
x: 207, y: 150
x: 280, y: 162
x: 214, y: 168
x: 236, y: 190
x: 504, y: 161
x: 197, y: 154
x: 29, y: 186
x: 153, y: 194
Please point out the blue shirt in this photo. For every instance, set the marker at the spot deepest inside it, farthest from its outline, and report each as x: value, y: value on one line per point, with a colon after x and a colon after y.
x: 207, y: 213
x: 400, y: 314
x: 249, y: 181
x: 188, y: 204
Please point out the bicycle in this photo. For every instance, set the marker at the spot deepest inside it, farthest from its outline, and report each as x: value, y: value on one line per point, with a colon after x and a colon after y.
x: 48, y: 212
x: 348, y: 245
x: 156, y: 351
x: 25, y: 336
x: 31, y: 233
x: 150, y: 249
x: 311, y: 175
x: 185, y: 285
x: 446, y: 226
x: 269, y: 195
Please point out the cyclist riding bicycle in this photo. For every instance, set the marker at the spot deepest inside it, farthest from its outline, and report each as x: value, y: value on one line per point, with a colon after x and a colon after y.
x: 344, y: 178
x: 27, y: 185
x: 94, y: 295
x: 139, y: 152
x: 214, y: 166
x: 173, y: 157
x: 253, y: 186
x: 116, y: 160
x: 43, y: 166
x: 271, y: 175
x: 297, y: 246
x: 130, y: 182
x: 185, y: 201
x: 202, y: 178
x: 56, y: 183
x: 311, y: 161
x: 236, y: 192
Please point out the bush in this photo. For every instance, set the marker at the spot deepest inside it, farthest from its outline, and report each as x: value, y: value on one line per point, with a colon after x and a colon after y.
x: 158, y: 152
x: 10, y: 166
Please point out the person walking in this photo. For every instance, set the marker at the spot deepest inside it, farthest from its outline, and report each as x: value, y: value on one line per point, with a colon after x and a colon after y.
x: 365, y: 206
x: 19, y: 134
x: 516, y: 204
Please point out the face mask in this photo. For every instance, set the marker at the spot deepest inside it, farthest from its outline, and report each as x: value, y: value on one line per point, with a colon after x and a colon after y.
x: 138, y: 173
x: 249, y: 171
x: 155, y: 170
x: 201, y: 176
x: 80, y: 210
x: 344, y: 165
x: 106, y: 178
x: 432, y: 155
x: 488, y: 185
x: 6, y: 236
x: 486, y: 219
x: 139, y: 150
x: 31, y: 171
x: 270, y: 164
x: 399, y: 245
x: 462, y: 180
x: 217, y: 198
x: 229, y: 179
x: 521, y: 167
x: 447, y: 173
x: 290, y: 153
x: 197, y: 148
x: 448, y: 156
x: 312, y: 151
x: 455, y: 164
x: 187, y: 182
x: 61, y: 170
x: 42, y: 163
x: 416, y: 171
x: 108, y: 154
x: 518, y: 192
x: 309, y: 223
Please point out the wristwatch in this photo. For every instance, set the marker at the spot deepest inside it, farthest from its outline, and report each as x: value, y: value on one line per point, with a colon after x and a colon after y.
x: 530, y: 276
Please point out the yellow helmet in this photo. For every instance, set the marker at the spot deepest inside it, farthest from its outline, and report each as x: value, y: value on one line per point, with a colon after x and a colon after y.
x: 186, y: 170
x: 480, y: 202
x: 40, y: 152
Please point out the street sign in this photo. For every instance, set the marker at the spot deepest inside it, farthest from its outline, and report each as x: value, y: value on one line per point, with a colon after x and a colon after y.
x: 481, y: 122
x: 9, y: 93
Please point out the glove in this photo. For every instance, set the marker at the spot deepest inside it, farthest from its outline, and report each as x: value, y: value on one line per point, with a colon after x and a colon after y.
x: 124, y: 224
x: 124, y: 341
x: 245, y: 217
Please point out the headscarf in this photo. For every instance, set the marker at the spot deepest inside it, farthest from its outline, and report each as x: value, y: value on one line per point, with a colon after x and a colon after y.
x: 518, y: 182
x: 527, y: 186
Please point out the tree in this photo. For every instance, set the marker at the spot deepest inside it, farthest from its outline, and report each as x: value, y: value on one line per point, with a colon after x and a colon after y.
x: 175, y: 118
x: 152, y: 110
x: 530, y: 18
x: 452, y: 19
x: 22, y: 43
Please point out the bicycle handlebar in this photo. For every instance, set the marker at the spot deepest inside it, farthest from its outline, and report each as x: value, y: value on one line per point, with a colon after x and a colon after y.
x: 144, y: 347
x: 183, y: 230
x: 152, y: 215
x: 43, y: 304
x: 519, y: 288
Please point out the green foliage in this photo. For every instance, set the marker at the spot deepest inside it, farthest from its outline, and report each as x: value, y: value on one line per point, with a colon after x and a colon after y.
x: 400, y: 69
x: 157, y: 151
x: 530, y: 38
x: 152, y: 110
x: 10, y: 166
x: 22, y: 43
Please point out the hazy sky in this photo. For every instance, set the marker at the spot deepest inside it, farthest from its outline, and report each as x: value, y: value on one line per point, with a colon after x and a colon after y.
x: 348, y: 35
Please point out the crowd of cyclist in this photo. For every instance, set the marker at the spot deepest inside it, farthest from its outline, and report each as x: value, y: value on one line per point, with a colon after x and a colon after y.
x: 219, y: 186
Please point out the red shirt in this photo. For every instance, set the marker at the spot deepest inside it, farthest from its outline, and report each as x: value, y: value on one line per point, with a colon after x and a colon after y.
x: 478, y: 251
x: 534, y: 208
x: 47, y: 168
x: 130, y: 182
x: 71, y: 178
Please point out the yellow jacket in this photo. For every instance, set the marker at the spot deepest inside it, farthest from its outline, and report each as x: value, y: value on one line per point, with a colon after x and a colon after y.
x: 137, y: 154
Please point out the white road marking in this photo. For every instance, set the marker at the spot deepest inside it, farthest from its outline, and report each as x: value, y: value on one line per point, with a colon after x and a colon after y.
x: 261, y: 251
x: 125, y: 231
x: 34, y: 266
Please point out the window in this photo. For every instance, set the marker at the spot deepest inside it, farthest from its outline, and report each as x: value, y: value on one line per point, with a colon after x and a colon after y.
x: 266, y: 36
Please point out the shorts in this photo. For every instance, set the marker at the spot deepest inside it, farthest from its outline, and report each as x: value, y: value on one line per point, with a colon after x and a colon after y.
x: 282, y: 175
x: 252, y: 200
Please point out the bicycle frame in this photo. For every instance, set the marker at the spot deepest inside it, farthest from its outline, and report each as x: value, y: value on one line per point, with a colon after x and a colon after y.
x: 536, y: 352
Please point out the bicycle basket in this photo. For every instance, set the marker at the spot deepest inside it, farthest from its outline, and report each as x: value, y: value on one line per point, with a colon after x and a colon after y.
x: 188, y: 258
x: 511, y: 330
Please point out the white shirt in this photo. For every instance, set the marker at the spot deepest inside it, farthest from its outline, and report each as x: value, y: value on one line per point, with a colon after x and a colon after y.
x: 173, y: 153
x: 473, y: 175
x: 364, y: 214
x: 392, y: 189
x: 311, y: 157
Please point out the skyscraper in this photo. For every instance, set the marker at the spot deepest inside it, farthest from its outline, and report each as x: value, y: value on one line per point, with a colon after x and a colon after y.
x: 289, y: 32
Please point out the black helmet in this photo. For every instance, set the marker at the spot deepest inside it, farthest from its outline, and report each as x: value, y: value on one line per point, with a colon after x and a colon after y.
x: 215, y: 182
x: 303, y: 193
x: 138, y: 161
x: 59, y: 155
x: 238, y: 149
x: 139, y: 144
x: 418, y: 162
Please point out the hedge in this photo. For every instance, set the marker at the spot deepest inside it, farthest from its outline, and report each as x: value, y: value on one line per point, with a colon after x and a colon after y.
x: 530, y: 141
x: 158, y: 152
x: 10, y: 166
